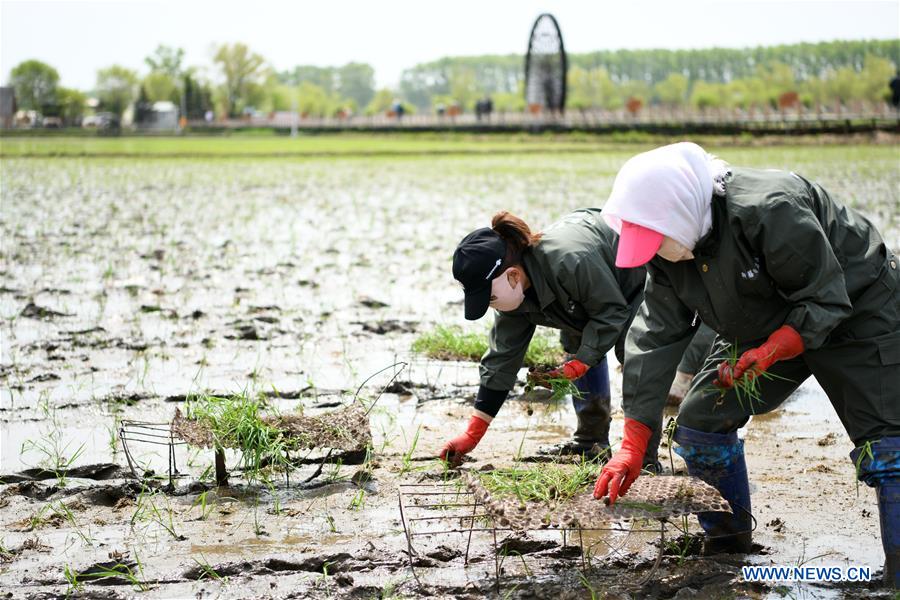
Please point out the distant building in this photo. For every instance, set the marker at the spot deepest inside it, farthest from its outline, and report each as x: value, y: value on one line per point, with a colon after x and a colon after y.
x: 163, y: 115
x: 7, y: 107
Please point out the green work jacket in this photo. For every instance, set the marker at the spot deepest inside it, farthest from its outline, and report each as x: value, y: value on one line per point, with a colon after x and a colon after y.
x: 576, y: 289
x: 780, y: 252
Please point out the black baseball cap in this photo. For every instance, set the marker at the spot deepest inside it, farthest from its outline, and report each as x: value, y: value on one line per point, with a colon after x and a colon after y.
x: 476, y: 262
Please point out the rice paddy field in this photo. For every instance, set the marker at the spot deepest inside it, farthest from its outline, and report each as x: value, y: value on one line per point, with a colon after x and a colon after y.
x: 142, y: 274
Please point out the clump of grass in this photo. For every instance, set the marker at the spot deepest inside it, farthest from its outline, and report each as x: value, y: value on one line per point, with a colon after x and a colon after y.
x: 451, y: 342
x: 235, y: 422
x: 549, y: 482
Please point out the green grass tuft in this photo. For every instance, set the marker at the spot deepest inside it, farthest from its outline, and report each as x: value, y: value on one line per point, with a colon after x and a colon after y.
x: 451, y: 342
x: 542, y: 483
x: 235, y: 423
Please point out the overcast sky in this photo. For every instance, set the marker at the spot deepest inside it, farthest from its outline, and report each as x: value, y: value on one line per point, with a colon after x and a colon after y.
x: 78, y: 37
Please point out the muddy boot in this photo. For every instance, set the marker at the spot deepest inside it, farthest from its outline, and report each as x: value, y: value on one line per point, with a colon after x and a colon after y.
x: 591, y: 437
x: 718, y: 459
x: 879, y: 466
x: 889, y: 514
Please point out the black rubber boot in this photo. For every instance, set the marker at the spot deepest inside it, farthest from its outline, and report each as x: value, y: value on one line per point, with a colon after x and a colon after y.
x: 591, y: 437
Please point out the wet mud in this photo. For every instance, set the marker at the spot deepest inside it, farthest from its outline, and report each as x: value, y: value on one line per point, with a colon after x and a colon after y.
x: 127, y: 286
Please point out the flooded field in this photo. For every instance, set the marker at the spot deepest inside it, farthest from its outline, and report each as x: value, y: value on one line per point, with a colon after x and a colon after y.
x: 130, y: 283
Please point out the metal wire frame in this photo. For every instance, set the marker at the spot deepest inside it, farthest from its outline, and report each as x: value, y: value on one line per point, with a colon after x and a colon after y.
x: 438, y: 490
x: 159, y: 434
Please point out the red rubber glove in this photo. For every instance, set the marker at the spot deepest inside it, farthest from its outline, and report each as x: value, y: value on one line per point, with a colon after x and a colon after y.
x: 784, y: 343
x: 573, y: 369
x: 466, y: 442
x: 625, y: 466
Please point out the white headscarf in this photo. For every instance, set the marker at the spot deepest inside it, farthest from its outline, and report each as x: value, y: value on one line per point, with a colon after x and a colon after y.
x: 668, y: 190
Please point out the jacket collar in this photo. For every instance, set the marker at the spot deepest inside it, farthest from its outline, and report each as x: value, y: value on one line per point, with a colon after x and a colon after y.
x: 709, y: 243
x: 545, y: 295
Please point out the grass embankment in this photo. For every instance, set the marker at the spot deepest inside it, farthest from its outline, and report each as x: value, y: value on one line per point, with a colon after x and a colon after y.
x: 401, y: 144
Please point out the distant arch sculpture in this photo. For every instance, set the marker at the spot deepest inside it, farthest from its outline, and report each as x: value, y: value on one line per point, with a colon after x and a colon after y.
x: 545, y: 67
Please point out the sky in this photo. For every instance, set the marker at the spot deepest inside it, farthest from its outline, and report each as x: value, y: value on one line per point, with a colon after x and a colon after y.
x: 78, y: 37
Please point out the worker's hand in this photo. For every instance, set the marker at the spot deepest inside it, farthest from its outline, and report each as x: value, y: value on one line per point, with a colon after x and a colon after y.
x: 784, y: 343
x: 572, y: 369
x: 679, y: 388
x: 454, y: 450
x: 625, y: 465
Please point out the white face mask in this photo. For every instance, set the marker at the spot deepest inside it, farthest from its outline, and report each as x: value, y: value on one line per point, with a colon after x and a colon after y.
x: 506, y: 297
x: 673, y: 251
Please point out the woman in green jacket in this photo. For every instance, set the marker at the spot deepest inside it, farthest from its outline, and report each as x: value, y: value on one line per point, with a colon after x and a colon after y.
x: 562, y: 278
x: 794, y: 283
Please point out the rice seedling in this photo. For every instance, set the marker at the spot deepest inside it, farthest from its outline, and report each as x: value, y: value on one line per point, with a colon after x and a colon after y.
x: 65, y: 513
x: 358, y: 501
x: 333, y: 475
x: 587, y: 586
x: 235, y: 423
x: 201, y: 502
x: 406, y: 465
x: 54, y: 452
x: 560, y: 387
x: 147, y: 510
x: 118, y: 570
x: 544, y: 483
x: 746, y: 387
x: 207, y: 571
x: 865, y: 451
x: 330, y: 520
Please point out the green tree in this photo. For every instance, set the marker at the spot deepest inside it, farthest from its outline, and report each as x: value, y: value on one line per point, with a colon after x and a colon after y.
x: 35, y: 84
x: 874, y: 78
x: 672, y: 91
x: 356, y: 82
x: 592, y: 88
x: 197, y: 97
x: 159, y: 85
x: 706, y: 95
x: 244, y: 74
x: 463, y: 87
x: 382, y: 101
x: 116, y: 88
x: 168, y: 60
x: 71, y: 104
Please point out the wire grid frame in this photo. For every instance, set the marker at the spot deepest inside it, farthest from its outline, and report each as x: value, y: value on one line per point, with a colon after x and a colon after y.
x: 163, y: 434
x: 153, y: 433
x: 460, y: 511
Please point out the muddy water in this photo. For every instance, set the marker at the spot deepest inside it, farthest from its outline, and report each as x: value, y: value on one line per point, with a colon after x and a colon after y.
x: 128, y: 285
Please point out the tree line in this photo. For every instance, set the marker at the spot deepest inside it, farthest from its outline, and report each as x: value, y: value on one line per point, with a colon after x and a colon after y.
x: 243, y: 82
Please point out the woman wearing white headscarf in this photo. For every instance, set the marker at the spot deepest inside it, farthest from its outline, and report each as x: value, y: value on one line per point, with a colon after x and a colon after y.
x: 797, y: 283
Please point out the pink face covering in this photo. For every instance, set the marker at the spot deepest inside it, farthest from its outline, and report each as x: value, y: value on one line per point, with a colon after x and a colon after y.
x: 507, y: 297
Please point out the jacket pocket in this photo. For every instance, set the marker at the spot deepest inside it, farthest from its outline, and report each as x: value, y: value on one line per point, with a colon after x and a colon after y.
x: 889, y: 353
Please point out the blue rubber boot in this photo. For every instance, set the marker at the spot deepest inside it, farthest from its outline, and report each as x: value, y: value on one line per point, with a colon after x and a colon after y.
x: 718, y: 459
x: 592, y: 410
x: 878, y: 465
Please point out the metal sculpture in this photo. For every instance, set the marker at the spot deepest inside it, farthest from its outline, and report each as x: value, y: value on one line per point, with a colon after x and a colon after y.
x: 545, y: 67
